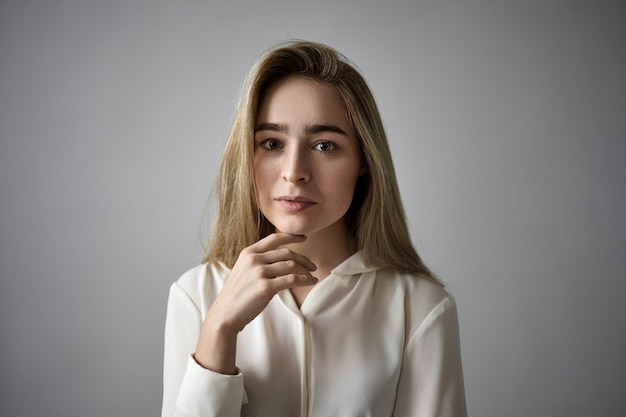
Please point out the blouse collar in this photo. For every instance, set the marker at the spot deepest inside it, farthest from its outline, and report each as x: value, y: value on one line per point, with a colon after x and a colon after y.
x: 355, y: 264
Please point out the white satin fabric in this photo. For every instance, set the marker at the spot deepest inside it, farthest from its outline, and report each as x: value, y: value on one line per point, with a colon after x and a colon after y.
x: 365, y: 342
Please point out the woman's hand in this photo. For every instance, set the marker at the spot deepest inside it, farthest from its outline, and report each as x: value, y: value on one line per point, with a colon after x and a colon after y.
x: 262, y: 270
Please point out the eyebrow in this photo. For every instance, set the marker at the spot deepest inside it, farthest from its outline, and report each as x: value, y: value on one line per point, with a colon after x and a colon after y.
x: 309, y: 130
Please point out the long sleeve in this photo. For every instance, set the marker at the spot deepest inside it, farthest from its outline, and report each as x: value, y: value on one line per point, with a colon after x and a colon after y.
x: 431, y: 379
x: 188, y: 389
x: 366, y: 341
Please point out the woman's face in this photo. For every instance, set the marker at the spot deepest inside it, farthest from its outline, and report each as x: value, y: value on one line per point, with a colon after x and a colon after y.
x: 307, y: 157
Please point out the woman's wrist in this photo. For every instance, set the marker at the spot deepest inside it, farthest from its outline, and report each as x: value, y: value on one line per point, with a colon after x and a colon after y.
x: 216, y: 349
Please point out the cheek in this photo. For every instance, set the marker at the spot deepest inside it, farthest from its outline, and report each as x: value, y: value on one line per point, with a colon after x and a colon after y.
x: 262, y: 190
x: 261, y: 173
x: 265, y: 181
x: 259, y: 183
x: 343, y: 182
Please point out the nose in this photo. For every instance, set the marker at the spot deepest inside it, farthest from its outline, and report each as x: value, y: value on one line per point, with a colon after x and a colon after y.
x: 296, y: 166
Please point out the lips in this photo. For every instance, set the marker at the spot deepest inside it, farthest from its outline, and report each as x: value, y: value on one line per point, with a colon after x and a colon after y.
x: 295, y: 203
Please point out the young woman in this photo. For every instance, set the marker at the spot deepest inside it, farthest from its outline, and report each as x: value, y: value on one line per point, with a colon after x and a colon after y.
x: 312, y: 300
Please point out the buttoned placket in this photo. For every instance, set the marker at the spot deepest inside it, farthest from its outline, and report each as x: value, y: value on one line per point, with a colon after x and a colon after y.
x: 302, y: 326
x: 303, y: 340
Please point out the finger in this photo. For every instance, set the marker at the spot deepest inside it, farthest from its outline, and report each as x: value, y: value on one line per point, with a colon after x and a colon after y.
x: 276, y: 240
x: 288, y: 267
x: 290, y: 281
x: 285, y: 254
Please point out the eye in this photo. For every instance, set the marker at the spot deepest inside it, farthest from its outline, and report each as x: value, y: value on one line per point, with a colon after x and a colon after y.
x: 325, y: 146
x: 271, y: 144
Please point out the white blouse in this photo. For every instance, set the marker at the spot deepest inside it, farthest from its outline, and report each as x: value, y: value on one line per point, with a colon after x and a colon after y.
x: 365, y: 342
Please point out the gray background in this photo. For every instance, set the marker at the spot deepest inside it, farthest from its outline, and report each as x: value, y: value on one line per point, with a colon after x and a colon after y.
x: 507, y: 120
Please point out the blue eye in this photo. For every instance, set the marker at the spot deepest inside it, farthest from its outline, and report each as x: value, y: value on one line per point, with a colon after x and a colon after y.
x: 325, y: 146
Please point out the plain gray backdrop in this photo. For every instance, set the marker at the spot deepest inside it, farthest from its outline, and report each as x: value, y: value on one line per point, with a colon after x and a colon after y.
x: 506, y: 119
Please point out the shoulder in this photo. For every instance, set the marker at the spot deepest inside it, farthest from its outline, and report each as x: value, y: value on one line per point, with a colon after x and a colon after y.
x: 424, y: 299
x: 200, y: 285
x: 420, y: 289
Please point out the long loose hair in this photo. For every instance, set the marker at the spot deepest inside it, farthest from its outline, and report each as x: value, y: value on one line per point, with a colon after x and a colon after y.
x: 376, y: 217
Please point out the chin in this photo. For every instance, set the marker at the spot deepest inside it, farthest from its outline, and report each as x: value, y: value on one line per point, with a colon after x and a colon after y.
x: 294, y: 229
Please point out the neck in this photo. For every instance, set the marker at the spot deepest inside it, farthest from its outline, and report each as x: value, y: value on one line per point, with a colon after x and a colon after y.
x: 327, y: 248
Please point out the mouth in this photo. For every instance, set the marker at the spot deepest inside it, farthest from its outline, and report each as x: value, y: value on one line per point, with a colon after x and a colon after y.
x: 295, y: 199
x: 295, y: 203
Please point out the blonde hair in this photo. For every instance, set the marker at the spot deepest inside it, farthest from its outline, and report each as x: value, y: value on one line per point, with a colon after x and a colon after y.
x: 376, y: 217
